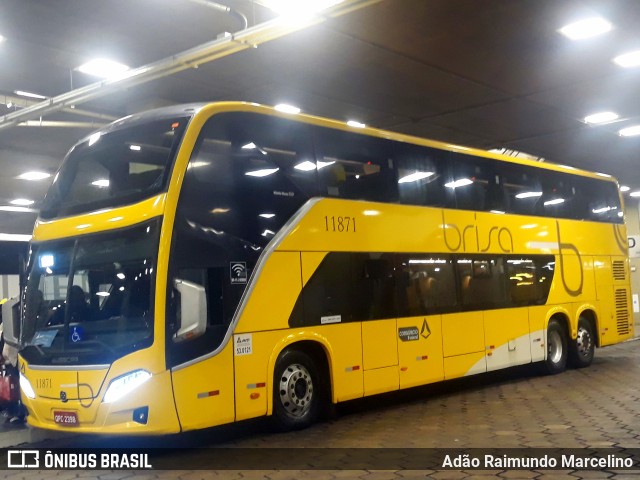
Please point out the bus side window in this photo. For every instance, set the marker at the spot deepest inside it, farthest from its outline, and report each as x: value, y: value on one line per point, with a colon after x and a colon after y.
x: 425, y: 284
x: 523, y: 282
x: 374, y: 297
x: 522, y: 188
x: 482, y: 282
x: 421, y: 176
x: 557, y: 196
x: 476, y: 184
x: 328, y: 293
x: 355, y: 166
x: 600, y: 199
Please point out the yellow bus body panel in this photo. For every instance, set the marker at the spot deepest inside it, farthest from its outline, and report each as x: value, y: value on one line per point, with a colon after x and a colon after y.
x: 467, y: 364
x: 462, y: 333
x: 274, y: 296
x: 204, y: 392
x: 506, y: 336
x: 99, y: 221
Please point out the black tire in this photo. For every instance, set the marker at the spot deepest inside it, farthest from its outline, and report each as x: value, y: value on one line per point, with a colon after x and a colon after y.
x: 583, y: 347
x: 296, y: 391
x: 557, y: 351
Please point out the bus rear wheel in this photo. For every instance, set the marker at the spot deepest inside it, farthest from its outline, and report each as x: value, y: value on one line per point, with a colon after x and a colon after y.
x: 296, y: 394
x: 556, y: 361
x: 583, y: 349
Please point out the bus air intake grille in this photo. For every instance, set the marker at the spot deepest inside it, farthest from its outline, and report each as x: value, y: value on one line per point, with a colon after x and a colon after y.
x: 618, y: 271
x: 622, y: 312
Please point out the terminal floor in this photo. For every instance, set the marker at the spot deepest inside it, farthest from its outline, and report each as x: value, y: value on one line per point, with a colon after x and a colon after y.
x: 597, y: 407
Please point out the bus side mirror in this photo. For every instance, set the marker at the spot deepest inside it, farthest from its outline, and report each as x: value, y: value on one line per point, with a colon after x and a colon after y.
x: 193, y: 310
x: 11, y: 321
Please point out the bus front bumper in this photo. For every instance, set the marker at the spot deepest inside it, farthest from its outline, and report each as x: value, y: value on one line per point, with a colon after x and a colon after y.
x: 149, y: 410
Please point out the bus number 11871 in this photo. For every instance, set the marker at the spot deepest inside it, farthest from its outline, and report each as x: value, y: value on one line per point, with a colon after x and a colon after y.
x: 340, y: 224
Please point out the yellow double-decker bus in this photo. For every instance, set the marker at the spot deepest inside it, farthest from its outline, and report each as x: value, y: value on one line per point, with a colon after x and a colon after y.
x: 203, y: 264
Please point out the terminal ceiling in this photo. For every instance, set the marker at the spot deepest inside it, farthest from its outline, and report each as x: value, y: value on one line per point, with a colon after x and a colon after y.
x: 487, y: 74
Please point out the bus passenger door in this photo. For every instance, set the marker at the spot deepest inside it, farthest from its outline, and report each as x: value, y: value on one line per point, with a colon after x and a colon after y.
x: 373, y: 304
x: 379, y: 356
x: 420, y: 350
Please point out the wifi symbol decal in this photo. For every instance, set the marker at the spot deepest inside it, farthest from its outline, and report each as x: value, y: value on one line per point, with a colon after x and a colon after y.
x: 238, y: 272
x: 238, y: 269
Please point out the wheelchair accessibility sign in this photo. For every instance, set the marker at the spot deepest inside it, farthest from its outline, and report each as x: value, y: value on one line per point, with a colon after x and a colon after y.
x: 76, y: 334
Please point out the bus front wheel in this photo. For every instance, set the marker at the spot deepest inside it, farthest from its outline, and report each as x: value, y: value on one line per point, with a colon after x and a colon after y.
x: 556, y: 348
x: 296, y: 394
x: 583, y: 349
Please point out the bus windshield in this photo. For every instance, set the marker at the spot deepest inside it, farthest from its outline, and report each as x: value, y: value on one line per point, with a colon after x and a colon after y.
x: 114, y: 168
x: 90, y: 299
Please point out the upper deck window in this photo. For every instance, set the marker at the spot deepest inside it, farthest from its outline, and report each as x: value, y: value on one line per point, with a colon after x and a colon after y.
x: 115, y: 168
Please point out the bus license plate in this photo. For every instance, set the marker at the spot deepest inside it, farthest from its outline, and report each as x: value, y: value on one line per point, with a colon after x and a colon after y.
x: 68, y: 419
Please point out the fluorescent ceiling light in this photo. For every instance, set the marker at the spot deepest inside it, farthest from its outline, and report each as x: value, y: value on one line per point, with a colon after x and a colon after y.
x: 34, y: 175
x: 529, y: 194
x: 635, y: 194
x: 624, y: 188
x: 135, y: 148
x: 601, y: 117
x: 630, y: 131
x: 555, y: 201
x: 353, y: 123
x: 283, y: 107
x: 267, y: 215
x: 263, y: 172
x: 198, y: 164
x: 461, y: 182
x: 220, y: 210
x: 602, y: 210
x: 101, y: 183
x: 627, y: 60
x: 589, y: 27
x: 305, y: 166
x: 267, y: 232
x: 294, y: 9
x: 14, y: 237
x: 414, y: 177
x: 320, y: 164
x: 103, y: 68
x: 249, y: 146
x: 29, y: 94
x: 22, y: 202
x: 9, y: 208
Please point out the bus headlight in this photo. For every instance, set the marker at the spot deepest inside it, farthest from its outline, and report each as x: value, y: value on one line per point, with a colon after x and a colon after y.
x: 125, y: 384
x: 26, y: 387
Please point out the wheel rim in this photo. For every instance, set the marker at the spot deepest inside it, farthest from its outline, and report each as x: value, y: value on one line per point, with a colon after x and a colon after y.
x: 555, y: 346
x: 584, y: 342
x: 296, y: 390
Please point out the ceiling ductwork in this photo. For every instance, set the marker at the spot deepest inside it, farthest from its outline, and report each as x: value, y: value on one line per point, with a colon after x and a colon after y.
x: 192, y: 58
